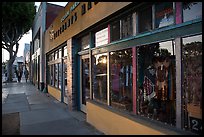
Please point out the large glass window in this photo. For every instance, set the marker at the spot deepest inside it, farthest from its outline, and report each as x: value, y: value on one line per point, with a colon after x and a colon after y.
x: 100, y: 77
x: 145, y: 19
x: 56, y: 54
x: 52, y: 75
x: 164, y: 14
x: 85, y: 42
x: 56, y: 66
x: 121, y: 79
x: 60, y: 53
x: 156, y: 82
x: 115, y: 30
x: 65, y: 51
x: 192, y: 10
x: 126, y: 26
x: 192, y: 82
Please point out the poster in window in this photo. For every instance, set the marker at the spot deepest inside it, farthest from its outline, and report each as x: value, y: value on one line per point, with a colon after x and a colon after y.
x: 164, y: 14
x: 101, y: 37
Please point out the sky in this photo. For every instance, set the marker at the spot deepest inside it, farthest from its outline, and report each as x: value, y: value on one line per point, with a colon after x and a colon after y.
x: 26, y: 37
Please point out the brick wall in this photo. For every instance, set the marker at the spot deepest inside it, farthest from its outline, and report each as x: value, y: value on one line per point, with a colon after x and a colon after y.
x: 70, y: 76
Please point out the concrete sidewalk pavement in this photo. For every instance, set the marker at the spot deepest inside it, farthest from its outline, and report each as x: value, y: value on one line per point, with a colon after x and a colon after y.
x: 41, y: 114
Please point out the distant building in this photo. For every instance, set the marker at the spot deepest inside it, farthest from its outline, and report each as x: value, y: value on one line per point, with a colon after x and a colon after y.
x: 26, y: 50
x: 19, y: 62
x: 26, y: 55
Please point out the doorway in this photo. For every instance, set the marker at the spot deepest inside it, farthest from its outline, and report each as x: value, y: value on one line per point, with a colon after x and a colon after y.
x: 84, y: 82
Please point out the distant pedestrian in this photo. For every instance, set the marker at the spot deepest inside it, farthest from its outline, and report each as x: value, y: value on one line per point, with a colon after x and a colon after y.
x: 19, y: 75
x: 26, y: 73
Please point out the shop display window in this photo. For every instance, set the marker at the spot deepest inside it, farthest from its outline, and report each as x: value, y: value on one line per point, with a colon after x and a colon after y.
x: 121, y: 79
x: 56, y: 66
x: 192, y: 82
x: 156, y: 92
x: 52, y: 75
x: 192, y: 10
x: 145, y: 19
x: 100, y: 77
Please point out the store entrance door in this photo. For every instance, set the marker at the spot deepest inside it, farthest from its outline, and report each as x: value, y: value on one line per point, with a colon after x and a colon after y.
x: 84, y: 82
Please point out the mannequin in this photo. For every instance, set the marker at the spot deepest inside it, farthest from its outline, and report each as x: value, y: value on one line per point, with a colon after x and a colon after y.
x: 161, y: 66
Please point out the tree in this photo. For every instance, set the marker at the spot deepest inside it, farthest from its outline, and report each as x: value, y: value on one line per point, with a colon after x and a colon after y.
x: 17, y: 19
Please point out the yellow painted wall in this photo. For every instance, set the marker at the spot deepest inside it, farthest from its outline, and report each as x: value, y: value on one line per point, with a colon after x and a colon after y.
x: 54, y: 92
x: 113, y: 124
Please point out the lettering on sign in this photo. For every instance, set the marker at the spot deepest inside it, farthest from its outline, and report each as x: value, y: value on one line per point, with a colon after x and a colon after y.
x: 70, y: 10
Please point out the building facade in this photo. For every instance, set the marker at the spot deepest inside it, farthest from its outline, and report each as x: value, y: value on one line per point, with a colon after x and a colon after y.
x: 133, y: 68
x: 45, y: 15
x: 26, y: 55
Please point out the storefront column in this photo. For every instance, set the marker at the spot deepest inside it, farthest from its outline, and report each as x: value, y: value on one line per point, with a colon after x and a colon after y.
x: 178, y: 84
x: 90, y: 75
x: 108, y: 78
x: 178, y: 13
x: 70, y: 76
x: 134, y: 71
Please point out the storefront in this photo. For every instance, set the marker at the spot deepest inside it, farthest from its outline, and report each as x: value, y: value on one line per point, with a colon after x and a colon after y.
x: 136, y: 70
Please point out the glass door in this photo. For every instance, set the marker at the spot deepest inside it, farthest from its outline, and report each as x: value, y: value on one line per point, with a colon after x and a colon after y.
x: 84, y: 82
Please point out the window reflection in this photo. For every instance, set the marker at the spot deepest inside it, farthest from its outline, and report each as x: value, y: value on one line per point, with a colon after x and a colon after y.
x: 85, y: 80
x: 192, y: 74
x: 100, y: 77
x: 126, y: 26
x: 156, y: 82
x: 192, y: 10
x: 121, y: 79
x: 145, y: 19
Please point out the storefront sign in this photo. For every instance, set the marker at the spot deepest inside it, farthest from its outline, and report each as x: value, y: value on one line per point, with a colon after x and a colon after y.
x: 70, y: 10
x: 102, y: 37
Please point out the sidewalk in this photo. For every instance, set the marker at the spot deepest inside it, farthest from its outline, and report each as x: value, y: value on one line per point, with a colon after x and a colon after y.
x: 41, y: 114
